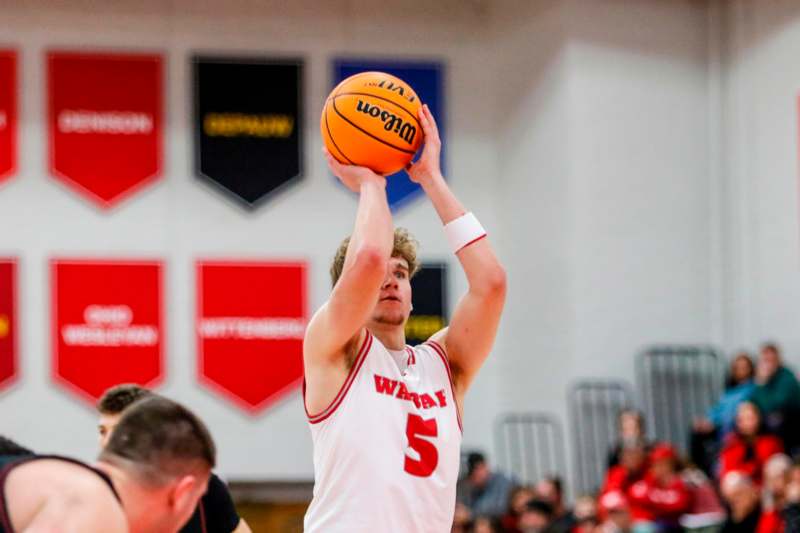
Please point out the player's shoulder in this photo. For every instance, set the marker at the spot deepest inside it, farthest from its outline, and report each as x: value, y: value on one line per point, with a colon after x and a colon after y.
x: 65, y: 484
x: 432, y: 348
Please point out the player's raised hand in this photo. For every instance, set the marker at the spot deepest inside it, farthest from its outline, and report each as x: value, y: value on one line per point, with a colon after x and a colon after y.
x: 351, y: 175
x: 428, y: 166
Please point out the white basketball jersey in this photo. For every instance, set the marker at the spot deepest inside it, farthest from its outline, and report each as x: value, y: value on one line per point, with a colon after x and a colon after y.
x: 386, y: 450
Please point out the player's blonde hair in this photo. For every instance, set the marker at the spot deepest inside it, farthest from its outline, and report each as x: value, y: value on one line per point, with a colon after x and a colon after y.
x: 405, y: 246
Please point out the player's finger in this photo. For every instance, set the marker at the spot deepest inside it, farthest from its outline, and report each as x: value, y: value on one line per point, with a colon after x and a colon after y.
x: 431, y: 121
x: 333, y: 164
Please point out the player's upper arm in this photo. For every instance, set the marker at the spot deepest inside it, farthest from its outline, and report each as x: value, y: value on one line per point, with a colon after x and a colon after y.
x: 352, y: 300
x: 473, y: 327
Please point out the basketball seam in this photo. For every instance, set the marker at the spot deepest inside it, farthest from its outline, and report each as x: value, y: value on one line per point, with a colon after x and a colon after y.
x: 410, y: 114
x: 359, y: 75
x: 365, y: 132
x: 330, y: 136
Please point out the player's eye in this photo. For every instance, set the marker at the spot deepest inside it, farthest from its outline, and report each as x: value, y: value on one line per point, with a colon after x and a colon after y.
x: 400, y: 274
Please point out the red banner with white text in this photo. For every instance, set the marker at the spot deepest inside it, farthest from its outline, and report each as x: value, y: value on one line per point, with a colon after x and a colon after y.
x: 105, y: 120
x: 8, y: 114
x: 8, y: 321
x: 107, y: 324
x: 251, y: 317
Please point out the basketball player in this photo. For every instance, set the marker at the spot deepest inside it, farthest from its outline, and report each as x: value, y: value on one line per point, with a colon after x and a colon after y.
x: 148, y: 479
x: 215, y: 513
x: 385, y: 417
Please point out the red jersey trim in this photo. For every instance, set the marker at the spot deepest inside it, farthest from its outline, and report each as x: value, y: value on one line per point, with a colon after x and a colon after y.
x: 362, y: 356
x: 473, y: 241
x: 412, y: 359
x: 439, y: 350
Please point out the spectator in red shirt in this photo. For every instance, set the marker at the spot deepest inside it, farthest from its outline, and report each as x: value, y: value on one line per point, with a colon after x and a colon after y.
x: 517, y: 503
x: 661, y: 497
x: 748, y: 448
x: 776, y: 481
x: 631, y: 468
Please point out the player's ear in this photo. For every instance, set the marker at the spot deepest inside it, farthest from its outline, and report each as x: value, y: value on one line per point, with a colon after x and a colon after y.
x: 185, y: 492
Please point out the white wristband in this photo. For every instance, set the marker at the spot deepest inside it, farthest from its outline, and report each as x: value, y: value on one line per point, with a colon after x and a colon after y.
x: 463, y: 231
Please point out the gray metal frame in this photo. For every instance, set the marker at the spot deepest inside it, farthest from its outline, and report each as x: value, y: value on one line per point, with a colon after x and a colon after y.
x: 677, y: 384
x: 530, y: 446
x: 594, y: 406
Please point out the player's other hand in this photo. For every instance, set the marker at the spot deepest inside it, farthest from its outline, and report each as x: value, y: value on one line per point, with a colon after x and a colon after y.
x: 427, y: 166
x: 351, y: 175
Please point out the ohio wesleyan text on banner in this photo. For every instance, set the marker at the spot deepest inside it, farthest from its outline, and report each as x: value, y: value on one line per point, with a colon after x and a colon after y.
x: 251, y: 318
x: 105, y: 119
x: 107, y: 324
x: 248, y: 125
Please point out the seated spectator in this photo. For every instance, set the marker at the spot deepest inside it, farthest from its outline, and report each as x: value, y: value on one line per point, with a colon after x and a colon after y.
x: 706, y: 510
x: 741, y: 497
x: 791, y: 509
x: 748, y: 448
x: 661, y: 498
x: 777, y: 394
x: 585, y: 512
x: 630, y: 423
x: 631, y: 468
x: 776, y: 481
x: 536, y: 518
x: 462, y: 519
x: 551, y: 491
x: 484, y: 492
x: 720, y: 420
x: 485, y: 524
x: 614, y: 506
x: 517, y: 502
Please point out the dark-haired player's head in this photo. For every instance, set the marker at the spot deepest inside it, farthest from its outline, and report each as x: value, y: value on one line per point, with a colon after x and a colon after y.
x: 160, y: 456
x: 394, y: 301
x: 112, y: 403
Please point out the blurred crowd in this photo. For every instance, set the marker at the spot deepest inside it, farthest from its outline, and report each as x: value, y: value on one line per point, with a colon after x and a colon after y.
x: 741, y: 472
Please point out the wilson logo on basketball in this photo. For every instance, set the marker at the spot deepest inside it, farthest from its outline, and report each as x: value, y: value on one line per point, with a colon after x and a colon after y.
x: 391, y: 122
x: 390, y: 85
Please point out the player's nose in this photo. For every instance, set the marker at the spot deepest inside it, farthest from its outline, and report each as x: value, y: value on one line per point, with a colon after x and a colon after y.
x: 389, y: 282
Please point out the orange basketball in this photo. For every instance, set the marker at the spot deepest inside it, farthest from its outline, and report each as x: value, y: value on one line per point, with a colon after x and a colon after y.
x: 370, y: 119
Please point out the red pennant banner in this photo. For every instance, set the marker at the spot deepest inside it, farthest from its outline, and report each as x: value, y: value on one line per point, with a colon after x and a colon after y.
x: 8, y: 113
x: 251, y: 318
x: 8, y: 326
x: 107, y: 324
x: 105, y: 120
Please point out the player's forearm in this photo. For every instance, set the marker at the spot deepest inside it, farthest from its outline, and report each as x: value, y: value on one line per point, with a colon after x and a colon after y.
x: 373, y: 231
x: 447, y: 206
x: 484, y: 272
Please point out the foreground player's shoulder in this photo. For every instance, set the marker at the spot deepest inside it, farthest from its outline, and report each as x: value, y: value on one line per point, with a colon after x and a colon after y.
x: 51, y: 493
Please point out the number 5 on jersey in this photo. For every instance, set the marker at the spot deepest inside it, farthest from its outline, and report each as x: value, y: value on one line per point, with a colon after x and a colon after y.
x: 417, y: 427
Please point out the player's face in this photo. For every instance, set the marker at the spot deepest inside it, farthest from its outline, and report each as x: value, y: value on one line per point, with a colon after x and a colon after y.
x: 394, y: 300
x: 105, y: 427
